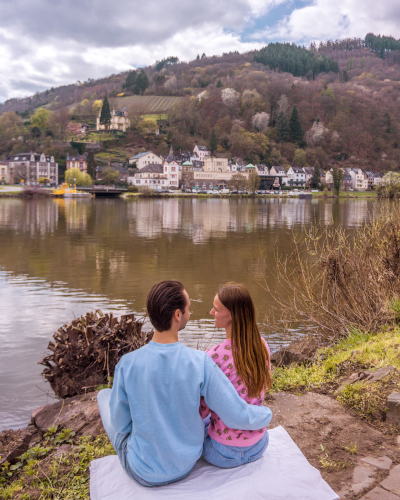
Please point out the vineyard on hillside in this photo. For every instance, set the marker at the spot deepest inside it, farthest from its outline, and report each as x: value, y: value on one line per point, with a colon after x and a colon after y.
x: 151, y: 104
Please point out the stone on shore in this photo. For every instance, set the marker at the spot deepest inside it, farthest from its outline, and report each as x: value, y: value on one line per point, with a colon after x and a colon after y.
x: 382, y: 462
x: 379, y: 494
x: 392, y: 482
x: 363, y: 478
x: 79, y: 413
x: 393, y: 411
x: 368, y: 375
x: 298, y: 352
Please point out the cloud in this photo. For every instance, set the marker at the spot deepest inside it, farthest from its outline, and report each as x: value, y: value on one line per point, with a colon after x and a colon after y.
x: 103, y: 23
x: 60, y: 42
x: 325, y: 19
x: 48, y: 43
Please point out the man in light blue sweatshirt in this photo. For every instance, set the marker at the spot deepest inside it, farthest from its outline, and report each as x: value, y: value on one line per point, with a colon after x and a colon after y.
x: 151, y: 414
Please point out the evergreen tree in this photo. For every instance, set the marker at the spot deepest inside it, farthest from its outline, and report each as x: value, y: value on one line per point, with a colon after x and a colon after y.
x: 219, y: 84
x: 296, y: 60
x: 105, y: 115
x: 316, y: 178
x: 166, y: 62
x: 130, y: 81
x: 213, y: 142
x: 142, y: 82
x: 296, y: 130
x: 91, y: 165
x: 282, y: 127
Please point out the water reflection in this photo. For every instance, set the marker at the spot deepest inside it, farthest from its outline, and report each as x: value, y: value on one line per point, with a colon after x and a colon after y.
x: 64, y: 257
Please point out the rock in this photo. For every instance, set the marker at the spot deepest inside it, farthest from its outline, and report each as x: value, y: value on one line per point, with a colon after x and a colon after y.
x: 363, y: 477
x: 19, y: 445
x: 379, y: 494
x: 368, y: 376
x: 392, y: 482
x: 35, y: 412
x: 382, y: 462
x: 79, y: 413
x: 298, y: 352
x: 398, y: 440
x: 393, y: 408
x: 379, y: 374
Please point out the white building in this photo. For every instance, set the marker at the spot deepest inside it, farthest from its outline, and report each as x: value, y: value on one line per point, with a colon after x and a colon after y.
x: 201, y: 152
x: 374, y: 179
x: 157, y: 176
x: 151, y: 177
x: 359, y: 179
x: 29, y: 167
x: 296, y: 177
x: 119, y: 121
x: 238, y: 166
x: 143, y: 159
x: 278, y: 171
x: 173, y: 172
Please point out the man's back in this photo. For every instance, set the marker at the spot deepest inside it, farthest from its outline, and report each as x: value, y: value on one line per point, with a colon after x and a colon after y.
x: 155, y: 398
x: 163, y: 384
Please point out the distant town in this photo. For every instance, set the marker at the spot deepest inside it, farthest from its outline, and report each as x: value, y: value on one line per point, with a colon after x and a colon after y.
x: 196, y: 171
x: 190, y: 171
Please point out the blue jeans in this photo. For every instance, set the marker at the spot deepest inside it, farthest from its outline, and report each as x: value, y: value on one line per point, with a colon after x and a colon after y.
x: 228, y: 457
x: 120, y: 441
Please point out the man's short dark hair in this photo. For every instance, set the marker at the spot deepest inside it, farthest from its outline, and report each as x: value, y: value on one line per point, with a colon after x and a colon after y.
x: 163, y: 300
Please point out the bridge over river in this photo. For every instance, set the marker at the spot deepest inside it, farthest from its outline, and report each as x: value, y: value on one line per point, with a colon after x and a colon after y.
x: 103, y: 190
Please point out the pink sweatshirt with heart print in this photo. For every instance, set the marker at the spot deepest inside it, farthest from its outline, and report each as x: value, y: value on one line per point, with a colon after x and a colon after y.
x: 222, y: 355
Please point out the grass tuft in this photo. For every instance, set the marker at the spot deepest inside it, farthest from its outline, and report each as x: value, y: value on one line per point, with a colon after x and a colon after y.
x: 62, y: 477
x: 357, y: 351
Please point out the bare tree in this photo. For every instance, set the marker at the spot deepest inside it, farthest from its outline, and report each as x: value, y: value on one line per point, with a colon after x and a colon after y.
x: 253, y: 182
x: 21, y: 173
x: 136, y: 114
x: 59, y: 121
x: 237, y: 183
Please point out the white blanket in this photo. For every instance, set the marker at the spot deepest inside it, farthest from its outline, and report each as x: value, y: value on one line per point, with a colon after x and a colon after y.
x: 283, y: 473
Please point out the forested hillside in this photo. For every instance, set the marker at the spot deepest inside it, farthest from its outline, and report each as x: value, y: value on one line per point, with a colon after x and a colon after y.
x: 336, y: 101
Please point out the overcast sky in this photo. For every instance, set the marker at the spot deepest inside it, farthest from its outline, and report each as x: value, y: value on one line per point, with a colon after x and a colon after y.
x: 47, y: 43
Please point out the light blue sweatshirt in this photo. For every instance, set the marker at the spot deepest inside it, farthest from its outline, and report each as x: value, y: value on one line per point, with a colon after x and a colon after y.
x: 155, y: 398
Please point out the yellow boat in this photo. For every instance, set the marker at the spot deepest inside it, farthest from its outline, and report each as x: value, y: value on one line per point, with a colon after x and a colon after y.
x: 69, y: 192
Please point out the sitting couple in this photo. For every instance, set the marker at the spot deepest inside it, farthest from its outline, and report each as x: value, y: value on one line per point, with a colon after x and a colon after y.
x: 170, y: 404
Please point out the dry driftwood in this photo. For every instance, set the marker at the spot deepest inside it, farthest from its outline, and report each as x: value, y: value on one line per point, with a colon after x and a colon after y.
x: 87, y: 350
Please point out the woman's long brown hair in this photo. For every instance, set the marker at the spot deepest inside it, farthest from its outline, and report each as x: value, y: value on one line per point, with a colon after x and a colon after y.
x: 250, y: 354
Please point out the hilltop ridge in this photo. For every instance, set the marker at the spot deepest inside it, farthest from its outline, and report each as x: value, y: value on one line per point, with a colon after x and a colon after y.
x: 345, y: 96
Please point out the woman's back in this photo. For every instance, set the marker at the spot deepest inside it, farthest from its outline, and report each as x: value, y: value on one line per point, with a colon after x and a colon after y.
x: 222, y: 355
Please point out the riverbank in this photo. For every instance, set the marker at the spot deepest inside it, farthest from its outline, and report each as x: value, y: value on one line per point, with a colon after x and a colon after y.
x: 337, y: 417
x: 20, y: 192
x: 284, y: 195
x: 17, y: 192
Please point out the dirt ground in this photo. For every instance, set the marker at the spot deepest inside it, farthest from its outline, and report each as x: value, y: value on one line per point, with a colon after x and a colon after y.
x: 334, y: 439
x: 322, y: 429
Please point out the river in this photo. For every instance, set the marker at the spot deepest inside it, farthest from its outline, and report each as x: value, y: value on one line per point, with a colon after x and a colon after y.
x: 60, y: 258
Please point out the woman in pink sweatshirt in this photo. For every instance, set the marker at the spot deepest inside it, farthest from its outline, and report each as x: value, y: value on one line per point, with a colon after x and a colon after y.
x: 244, y: 357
